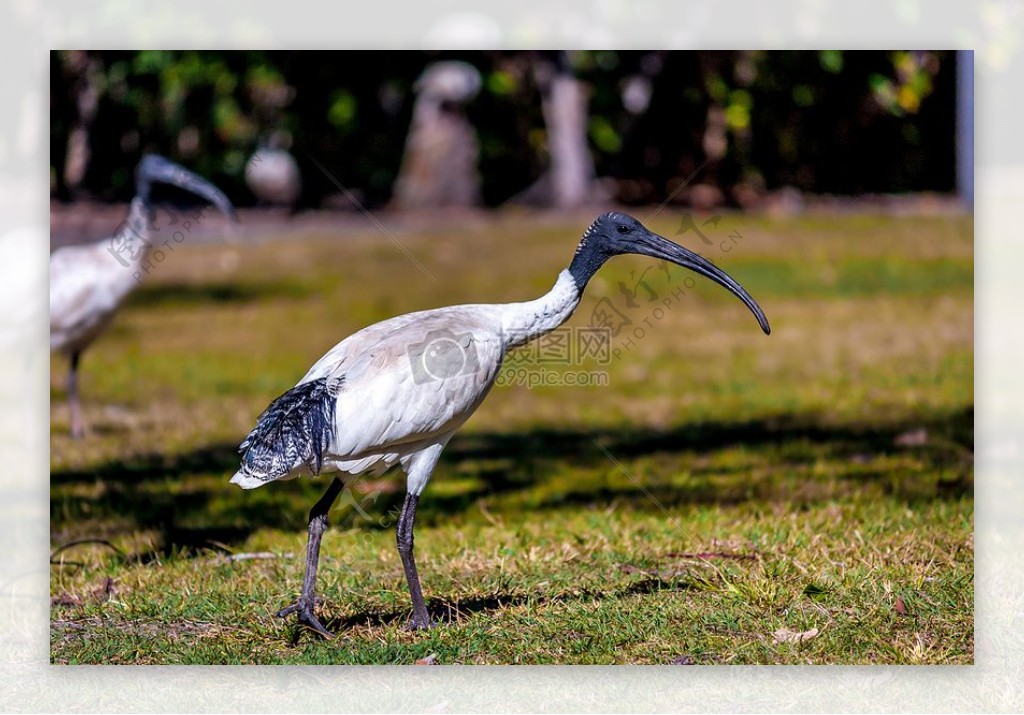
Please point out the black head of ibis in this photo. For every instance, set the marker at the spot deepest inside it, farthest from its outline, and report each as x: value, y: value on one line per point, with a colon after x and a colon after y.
x: 615, y: 234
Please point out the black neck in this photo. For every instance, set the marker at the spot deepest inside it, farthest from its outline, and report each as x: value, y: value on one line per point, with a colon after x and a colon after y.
x: 585, y: 264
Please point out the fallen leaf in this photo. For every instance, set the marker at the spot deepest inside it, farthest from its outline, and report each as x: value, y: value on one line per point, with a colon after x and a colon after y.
x: 784, y: 635
x: 899, y: 606
x: 683, y: 660
x: 429, y: 660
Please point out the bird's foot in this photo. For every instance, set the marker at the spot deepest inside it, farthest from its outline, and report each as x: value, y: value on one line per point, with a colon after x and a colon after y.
x: 304, y: 608
x: 419, y: 622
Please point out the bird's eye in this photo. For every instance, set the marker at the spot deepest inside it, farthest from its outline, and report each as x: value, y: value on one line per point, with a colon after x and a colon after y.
x: 624, y: 229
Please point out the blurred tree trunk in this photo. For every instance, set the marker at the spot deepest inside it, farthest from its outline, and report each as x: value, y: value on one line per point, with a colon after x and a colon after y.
x: 86, y: 92
x: 564, y: 104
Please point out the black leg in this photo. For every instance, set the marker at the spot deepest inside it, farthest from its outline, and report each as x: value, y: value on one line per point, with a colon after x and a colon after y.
x: 317, y: 525
x: 77, y: 428
x: 420, y: 617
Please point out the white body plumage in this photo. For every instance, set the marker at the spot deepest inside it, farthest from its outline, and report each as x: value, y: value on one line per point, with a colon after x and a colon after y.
x: 89, y: 282
x: 408, y: 383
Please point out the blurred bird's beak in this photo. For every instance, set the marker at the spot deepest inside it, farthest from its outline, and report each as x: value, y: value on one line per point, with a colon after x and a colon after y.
x: 156, y: 169
x: 655, y: 246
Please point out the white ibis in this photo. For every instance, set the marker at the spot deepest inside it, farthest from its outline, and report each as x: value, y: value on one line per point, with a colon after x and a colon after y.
x: 272, y: 174
x: 89, y: 282
x: 396, y: 392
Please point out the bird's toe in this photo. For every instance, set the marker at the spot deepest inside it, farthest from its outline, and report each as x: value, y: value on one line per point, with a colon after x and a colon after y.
x: 310, y: 621
x: 419, y: 624
x: 306, y: 616
x: 288, y: 610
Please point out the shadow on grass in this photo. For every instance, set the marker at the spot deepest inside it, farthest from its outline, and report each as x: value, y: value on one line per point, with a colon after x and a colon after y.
x: 159, y: 294
x: 455, y: 611
x: 187, y: 498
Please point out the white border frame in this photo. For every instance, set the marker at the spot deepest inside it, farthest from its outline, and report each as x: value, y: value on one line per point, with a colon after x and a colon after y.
x: 29, y: 29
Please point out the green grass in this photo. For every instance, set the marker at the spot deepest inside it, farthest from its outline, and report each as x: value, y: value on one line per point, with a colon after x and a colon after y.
x: 724, y: 485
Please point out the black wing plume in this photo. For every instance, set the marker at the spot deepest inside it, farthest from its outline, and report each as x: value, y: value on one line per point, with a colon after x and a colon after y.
x: 297, y: 428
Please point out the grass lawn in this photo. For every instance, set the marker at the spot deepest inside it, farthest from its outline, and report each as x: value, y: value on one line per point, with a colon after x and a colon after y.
x: 726, y: 497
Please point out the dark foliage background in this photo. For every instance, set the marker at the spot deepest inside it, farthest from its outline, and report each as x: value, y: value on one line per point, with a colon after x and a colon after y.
x: 842, y: 122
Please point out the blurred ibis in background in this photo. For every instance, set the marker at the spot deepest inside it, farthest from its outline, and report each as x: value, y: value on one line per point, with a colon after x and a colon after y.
x: 89, y: 282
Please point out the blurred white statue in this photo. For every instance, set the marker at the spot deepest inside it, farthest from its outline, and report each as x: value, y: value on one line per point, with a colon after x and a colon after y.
x: 439, y: 167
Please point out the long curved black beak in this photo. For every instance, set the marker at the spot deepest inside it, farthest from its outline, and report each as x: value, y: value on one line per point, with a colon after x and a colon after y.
x: 156, y: 169
x: 655, y: 246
